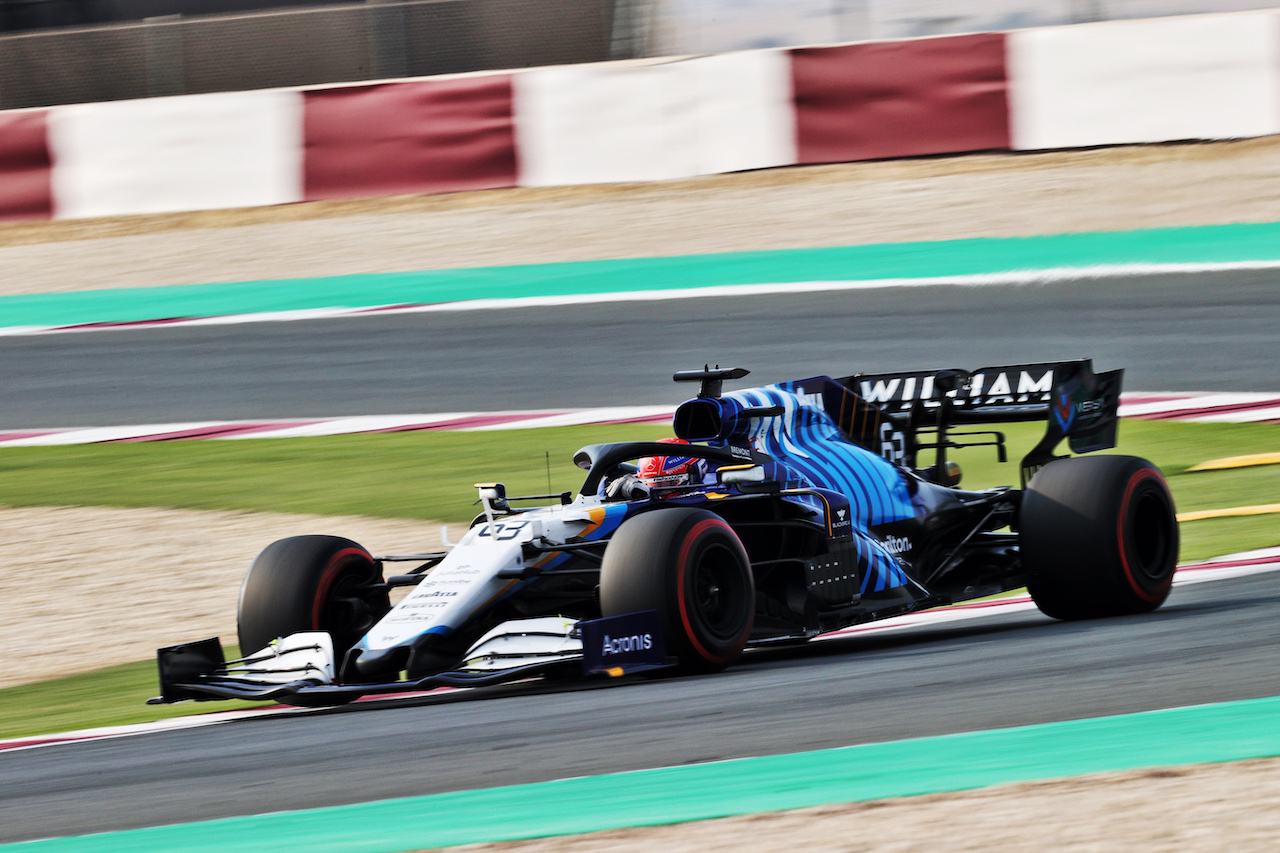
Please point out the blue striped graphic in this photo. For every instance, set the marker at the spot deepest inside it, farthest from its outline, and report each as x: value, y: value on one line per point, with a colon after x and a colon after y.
x: 808, y: 440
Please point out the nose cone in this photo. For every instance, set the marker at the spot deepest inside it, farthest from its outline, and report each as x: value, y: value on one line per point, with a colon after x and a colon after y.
x: 379, y: 665
x: 416, y: 658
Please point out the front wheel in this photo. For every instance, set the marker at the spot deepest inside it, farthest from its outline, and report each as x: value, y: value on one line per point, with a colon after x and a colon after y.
x: 1099, y: 537
x: 311, y: 583
x: 690, y: 567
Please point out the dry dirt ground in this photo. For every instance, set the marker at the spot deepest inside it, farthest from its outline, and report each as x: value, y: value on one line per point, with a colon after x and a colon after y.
x: 107, y: 590
x: 103, y: 586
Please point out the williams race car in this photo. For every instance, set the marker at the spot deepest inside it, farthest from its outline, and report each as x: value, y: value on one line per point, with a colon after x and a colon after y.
x: 781, y: 513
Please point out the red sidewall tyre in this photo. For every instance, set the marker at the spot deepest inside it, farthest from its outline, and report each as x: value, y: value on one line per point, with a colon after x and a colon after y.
x: 691, y: 568
x: 310, y: 583
x: 1099, y: 537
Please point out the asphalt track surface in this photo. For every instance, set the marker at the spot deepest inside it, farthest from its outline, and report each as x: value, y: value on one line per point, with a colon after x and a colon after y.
x: 1175, y: 332
x: 1212, y: 642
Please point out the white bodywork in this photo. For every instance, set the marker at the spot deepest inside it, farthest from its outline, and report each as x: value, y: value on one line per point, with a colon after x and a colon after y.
x: 466, y: 581
x: 523, y: 642
x: 296, y: 657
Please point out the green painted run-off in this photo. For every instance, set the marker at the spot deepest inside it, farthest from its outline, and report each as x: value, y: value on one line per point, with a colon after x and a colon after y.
x: 948, y: 258
x: 1209, y: 733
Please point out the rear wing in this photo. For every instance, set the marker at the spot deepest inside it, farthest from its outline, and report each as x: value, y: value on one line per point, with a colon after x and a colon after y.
x: 1077, y: 404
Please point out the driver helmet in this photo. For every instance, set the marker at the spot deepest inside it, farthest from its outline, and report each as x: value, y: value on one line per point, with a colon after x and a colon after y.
x: 671, y: 470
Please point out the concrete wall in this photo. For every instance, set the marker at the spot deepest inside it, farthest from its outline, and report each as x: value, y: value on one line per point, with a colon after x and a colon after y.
x: 1114, y: 83
x: 300, y: 47
x: 713, y: 26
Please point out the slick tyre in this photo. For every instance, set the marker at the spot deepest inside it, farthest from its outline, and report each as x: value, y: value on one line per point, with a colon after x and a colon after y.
x: 310, y: 583
x: 1099, y: 537
x: 690, y: 567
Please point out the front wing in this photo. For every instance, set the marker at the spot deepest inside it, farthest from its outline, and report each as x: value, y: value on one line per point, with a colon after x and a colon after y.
x: 301, y: 666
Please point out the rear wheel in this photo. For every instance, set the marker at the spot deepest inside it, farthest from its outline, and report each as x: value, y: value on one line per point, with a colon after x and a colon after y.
x: 311, y: 583
x: 1099, y: 537
x: 690, y: 567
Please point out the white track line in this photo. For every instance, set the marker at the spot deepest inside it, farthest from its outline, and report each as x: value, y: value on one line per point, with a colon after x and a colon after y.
x: 1014, y: 277
x: 235, y: 430
x: 1272, y: 413
x: 613, y: 415
x: 1220, y: 408
x: 1193, y: 401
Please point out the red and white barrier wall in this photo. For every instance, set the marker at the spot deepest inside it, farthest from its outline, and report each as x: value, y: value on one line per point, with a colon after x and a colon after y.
x: 1203, y: 77
x: 238, y: 149
x: 25, y: 167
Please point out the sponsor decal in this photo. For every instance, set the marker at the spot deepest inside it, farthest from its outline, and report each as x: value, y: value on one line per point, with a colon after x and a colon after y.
x: 403, y: 616
x: 461, y: 569
x: 740, y: 452
x: 1013, y: 386
x: 1063, y: 411
x: 1072, y: 407
x: 619, y: 645
x: 841, y: 522
x: 897, y: 545
x: 814, y: 400
x: 882, y: 391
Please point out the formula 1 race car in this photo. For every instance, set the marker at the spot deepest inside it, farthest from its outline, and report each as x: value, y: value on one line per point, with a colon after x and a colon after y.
x: 795, y: 509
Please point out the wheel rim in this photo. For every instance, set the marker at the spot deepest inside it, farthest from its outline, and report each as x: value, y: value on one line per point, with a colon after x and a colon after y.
x: 348, y: 610
x: 1151, y: 534
x: 718, y: 596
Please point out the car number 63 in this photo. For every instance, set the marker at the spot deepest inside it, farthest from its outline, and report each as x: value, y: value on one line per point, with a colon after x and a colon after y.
x: 893, y: 444
x: 503, y: 530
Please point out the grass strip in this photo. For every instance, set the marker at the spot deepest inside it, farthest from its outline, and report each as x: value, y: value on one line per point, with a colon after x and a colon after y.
x: 418, y: 475
x: 119, y: 694
x: 1208, y: 733
x: 931, y: 259
x: 429, y: 475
